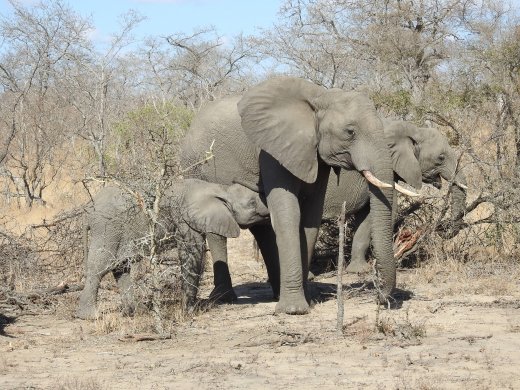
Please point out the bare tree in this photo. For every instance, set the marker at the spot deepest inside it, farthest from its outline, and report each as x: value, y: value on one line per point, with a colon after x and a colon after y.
x: 39, y: 43
x: 204, y: 65
x: 101, y: 88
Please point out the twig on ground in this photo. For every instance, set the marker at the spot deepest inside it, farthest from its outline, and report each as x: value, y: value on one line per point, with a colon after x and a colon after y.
x: 145, y: 337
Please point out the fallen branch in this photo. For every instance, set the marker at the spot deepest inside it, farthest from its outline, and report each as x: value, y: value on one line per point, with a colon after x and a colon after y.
x: 145, y: 337
x: 62, y: 288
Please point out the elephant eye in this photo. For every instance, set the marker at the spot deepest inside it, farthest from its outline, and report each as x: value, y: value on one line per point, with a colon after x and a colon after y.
x: 441, y: 158
x: 350, y: 132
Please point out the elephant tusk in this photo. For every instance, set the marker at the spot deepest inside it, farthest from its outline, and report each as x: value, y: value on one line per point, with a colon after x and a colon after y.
x: 405, y: 191
x: 374, y: 180
x: 463, y: 186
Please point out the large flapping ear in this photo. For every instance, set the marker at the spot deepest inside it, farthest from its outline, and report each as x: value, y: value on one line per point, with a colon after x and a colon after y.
x: 278, y: 117
x: 205, y: 209
x: 400, y: 136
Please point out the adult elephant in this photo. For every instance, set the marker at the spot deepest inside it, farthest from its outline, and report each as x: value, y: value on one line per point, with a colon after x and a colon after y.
x: 283, y: 135
x: 119, y: 231
x: 419, y: 155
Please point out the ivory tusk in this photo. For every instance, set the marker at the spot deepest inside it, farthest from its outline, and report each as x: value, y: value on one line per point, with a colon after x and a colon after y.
x: 374, y: 180
x: 405, y: 191
x: 463, y: 186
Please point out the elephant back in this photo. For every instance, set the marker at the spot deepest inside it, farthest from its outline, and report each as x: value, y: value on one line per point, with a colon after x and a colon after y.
x: 216, y: 148
x: 112, y: 203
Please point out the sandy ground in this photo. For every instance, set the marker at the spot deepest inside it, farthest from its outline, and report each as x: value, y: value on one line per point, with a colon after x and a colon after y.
x: 439, y: 338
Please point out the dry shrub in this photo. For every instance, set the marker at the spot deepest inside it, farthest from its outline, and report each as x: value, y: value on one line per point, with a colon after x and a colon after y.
x: 402, y: 328
x: 17, y: 260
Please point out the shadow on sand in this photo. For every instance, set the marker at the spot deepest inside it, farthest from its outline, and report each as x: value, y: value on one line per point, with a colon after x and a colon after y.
x: 258, y: 292
x: 4, y: 321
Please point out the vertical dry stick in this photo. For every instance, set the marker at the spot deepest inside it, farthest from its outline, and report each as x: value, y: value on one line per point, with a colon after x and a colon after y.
x: 341, y: 257
x: 154, y: 259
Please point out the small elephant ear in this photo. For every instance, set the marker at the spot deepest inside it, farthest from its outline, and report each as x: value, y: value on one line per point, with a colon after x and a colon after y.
x: 205, y: 209
x: 403, y: 148
x: 278, y: 116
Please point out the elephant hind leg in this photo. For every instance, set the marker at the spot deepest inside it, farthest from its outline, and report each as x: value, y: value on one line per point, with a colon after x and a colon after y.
x: 87, y: 308
x: 126, y: 288
x: 266, y: 240
x: 97, y: 264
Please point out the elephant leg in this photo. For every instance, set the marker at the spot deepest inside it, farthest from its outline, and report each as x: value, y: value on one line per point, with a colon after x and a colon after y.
x: 126, y: 288
x: 312, y: 212
x: 223, y: 287
x: 282, y: 189
x: 360, y: 244
x: 266, y: 240
x: 191, y: 255
x: 96, y: 267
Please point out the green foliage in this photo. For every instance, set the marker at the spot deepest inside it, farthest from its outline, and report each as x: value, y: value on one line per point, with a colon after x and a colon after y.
x: 142, y: 148
x: 165, y: 118
x: 399, y: 102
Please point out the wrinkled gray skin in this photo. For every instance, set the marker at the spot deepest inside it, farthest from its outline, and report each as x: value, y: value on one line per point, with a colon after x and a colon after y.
x: 283, y: 136
x: 188, y: 210
x: 419, y: 154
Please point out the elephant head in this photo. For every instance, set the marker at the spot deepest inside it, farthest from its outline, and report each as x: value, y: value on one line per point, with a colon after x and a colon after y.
x: 423, y: 154
x: 223, y: 210
x: 301, y: 125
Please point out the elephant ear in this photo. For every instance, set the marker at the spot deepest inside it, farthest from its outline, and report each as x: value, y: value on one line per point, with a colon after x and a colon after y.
x: 278, y: 116
x: 205, y: 208
x: 400, y: 136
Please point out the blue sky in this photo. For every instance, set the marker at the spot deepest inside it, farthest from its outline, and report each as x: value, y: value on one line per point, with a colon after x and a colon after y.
x: 164, y: 17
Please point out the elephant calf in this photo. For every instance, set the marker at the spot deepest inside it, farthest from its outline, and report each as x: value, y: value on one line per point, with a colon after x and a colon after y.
x: 189, y: 210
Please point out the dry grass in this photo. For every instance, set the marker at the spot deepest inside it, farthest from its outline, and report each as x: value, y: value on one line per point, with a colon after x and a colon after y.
x: 451, y: 277
x: 76, y: 383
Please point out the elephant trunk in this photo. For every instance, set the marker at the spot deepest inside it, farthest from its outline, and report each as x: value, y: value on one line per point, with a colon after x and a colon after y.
x: 381, y: 226
x: 458, y: 203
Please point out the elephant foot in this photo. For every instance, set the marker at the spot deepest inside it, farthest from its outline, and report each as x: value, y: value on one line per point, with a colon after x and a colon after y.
x: 86, y: 312
x: 276, y: 291
x: 384, y: 299
x: 358, y: 267
x: 223, y: 294
x: 294, y: 304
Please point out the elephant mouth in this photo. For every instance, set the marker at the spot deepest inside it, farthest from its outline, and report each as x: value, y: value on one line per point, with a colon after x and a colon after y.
x: 435, y: 181
x: 340, y: 159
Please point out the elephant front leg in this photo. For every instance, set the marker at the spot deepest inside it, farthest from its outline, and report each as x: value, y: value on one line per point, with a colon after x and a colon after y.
x: 360, y: 244
x: 223, y: 287
x: 312, y: 211
x: 285, y: 218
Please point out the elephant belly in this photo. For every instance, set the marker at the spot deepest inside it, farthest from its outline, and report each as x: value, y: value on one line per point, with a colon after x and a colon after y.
x: 352, y: 188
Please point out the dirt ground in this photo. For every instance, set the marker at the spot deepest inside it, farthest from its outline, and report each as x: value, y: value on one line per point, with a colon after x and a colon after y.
x: 456, y: 327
